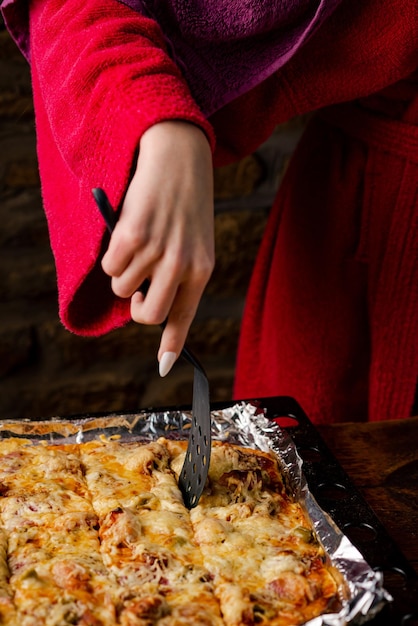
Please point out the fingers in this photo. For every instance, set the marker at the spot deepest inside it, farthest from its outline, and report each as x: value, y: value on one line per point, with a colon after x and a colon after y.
x: 130, y: 257
x: 178, y: 274
x: 131, y: 276
x: 119, y: 254
x: 166, y: 363
x: 155, y: 307
x: 176, y: 307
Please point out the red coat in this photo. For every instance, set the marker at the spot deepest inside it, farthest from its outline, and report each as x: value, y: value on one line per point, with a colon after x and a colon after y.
x: 313, y: 328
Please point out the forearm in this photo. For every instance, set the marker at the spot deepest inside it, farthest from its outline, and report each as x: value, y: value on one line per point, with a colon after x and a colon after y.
x: 105, y: 78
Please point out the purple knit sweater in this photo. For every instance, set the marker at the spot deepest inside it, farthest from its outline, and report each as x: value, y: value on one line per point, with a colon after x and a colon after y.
x: 224, y: 47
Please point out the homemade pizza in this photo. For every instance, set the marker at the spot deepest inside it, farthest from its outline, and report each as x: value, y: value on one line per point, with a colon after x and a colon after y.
x: 96, y: 534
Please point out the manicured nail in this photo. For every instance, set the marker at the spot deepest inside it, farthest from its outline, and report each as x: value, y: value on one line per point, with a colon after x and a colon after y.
x: 167, y: 361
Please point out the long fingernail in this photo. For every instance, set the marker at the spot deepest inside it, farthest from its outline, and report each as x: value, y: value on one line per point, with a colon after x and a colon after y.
x: 166, y: 363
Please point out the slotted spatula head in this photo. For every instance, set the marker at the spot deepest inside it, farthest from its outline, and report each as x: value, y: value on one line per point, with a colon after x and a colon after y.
x: 195, y: 468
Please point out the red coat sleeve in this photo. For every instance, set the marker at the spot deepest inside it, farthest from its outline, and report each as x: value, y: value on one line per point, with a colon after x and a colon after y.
x: 99, y: 83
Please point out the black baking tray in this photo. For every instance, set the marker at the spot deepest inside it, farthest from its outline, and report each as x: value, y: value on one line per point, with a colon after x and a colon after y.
x: 336, y: 494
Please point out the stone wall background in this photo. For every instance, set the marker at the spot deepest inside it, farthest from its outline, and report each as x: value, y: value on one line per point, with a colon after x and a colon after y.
x: 46, y: 371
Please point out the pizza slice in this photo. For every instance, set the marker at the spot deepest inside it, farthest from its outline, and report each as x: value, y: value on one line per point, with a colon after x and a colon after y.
x: 258, y: 543
x: 57, y: 573
x: 26, y: 467
x: 7, y: 608
x: 145, y: 531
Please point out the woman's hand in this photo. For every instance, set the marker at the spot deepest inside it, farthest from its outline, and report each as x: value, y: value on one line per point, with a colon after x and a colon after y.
x: 165, y: 233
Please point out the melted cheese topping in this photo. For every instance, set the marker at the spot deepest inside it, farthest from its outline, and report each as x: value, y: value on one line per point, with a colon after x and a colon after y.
x: 258, y: 544
x: 7, y: 608
x: 145, y: 530
x: 97, y: 534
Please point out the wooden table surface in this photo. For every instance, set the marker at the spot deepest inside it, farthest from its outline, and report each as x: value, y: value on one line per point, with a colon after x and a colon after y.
x: 381, y: 459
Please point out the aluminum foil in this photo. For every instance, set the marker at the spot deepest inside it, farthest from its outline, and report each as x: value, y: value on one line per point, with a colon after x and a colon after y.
x: 361, y: 589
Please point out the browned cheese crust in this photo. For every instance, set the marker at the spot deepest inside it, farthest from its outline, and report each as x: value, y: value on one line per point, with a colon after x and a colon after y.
x: 97, y: 534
